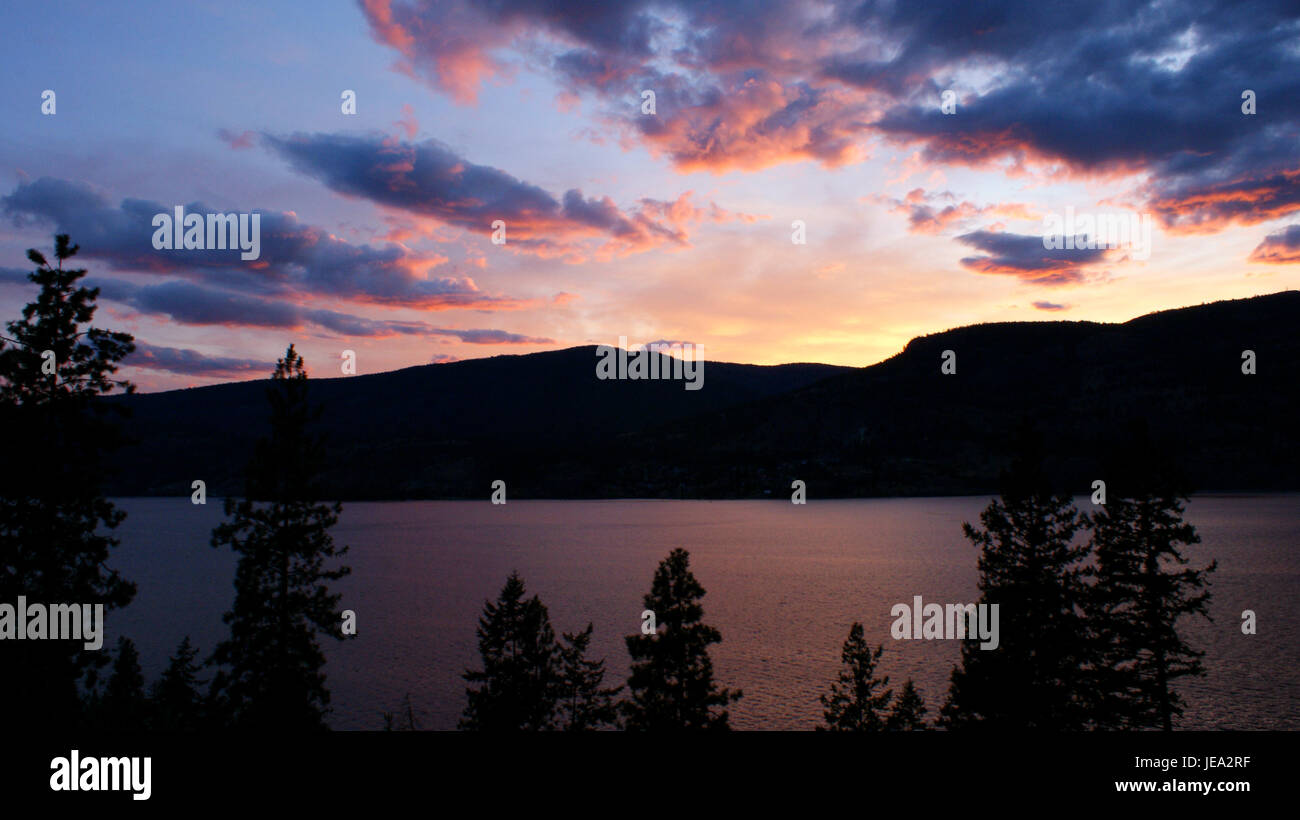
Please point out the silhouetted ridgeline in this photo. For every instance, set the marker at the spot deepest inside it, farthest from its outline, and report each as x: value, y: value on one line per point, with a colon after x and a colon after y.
x: 445, y: 430
x: 549, y: 428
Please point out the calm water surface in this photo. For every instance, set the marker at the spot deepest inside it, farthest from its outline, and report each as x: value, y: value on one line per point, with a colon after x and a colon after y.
x: 784, y: 582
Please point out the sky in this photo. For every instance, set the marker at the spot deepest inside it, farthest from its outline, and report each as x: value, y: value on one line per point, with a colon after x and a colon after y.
x: 921, y: 151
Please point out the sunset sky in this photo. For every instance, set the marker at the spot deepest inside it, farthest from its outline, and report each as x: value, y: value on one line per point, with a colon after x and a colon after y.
x: 676, y: 225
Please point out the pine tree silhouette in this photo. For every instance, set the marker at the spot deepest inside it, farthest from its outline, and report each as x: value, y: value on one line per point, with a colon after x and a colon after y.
x: 410, y: 717
x: 583, y: 703
x: 859, y: 700
x: 177, y: 695
x: 124, y: 706
x: 908, y: 713
x: 1142, y: 588
x: 517, y: 686
x: 270, y: 670
x: 1030, y: 567
x: 55, y: 524
x: 672, y: 684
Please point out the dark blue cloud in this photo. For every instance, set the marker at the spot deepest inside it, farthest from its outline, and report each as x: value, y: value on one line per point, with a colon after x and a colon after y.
x: 1025, y: 258
x: 193, y: 363
x: 1155, y: 89
x: 1280, y: 248
x: 295, y: 258
x: 192, y: 304
x: 429, y: 179
x: 1150, y: 87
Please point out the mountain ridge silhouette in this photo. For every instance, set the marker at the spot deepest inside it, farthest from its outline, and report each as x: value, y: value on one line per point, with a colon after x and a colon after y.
x: 547, y: 426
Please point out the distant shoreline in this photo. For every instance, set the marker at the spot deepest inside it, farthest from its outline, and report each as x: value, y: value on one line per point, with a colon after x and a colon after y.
x: 485, y: 498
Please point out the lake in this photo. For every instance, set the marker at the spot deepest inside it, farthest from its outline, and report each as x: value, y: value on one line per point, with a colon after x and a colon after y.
x: 784, y: 583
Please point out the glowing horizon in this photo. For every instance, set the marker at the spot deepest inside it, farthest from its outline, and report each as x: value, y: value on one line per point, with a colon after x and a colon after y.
x: 922, y: 210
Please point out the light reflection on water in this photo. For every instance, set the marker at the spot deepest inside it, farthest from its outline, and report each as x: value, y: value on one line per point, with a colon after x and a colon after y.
x: 784, y: 582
